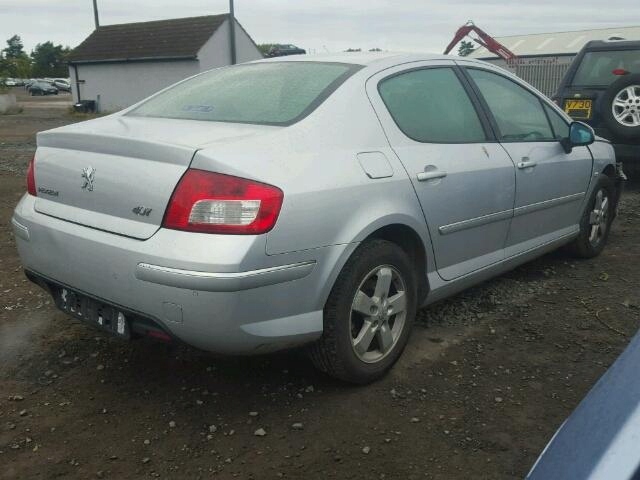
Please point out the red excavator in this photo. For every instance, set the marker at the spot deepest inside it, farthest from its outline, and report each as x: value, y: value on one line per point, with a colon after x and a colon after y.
x: 484, y: 39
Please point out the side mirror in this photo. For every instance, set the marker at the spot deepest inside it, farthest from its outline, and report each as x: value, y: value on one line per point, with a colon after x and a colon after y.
x: 580, y: 134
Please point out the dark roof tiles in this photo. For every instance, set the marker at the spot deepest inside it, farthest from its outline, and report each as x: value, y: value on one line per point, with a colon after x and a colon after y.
x: 169, y: 39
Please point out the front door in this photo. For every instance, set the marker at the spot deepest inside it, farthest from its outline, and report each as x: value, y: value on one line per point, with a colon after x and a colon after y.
x: 462, y: 177
x: 550, y: 183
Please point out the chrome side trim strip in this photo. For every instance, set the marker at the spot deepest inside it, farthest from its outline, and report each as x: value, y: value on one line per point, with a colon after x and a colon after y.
x: 475, y: 222
x: 496, y: 217
x: 554, y: 202
x: 20, y: 230
x: 222, y: 282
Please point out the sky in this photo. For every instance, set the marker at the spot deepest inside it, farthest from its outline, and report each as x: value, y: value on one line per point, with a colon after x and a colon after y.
x: 323, y: 25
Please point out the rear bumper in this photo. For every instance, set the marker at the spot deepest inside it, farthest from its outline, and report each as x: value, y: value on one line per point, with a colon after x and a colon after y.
x: 139, y: 324
x: 218, y: 293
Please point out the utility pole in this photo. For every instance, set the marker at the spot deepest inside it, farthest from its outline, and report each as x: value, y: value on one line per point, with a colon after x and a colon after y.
x: 232, y: 32
x: 95, y: 13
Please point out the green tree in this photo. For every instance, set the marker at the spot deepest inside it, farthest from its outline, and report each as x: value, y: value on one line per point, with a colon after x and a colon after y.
x: 49, y: 60
x: 465, y: 48
x: 14, y: 62
x: 15, y: 48
x: 4, y: 68
x: 21, y: 67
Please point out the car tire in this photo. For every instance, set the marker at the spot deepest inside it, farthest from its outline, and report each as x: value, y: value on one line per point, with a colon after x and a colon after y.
x: 618, y: 129
x: 595, y: 223
x: 343, y: 351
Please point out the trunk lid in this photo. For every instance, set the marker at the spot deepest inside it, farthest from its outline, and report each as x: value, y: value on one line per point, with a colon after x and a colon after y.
x: 117, y: 173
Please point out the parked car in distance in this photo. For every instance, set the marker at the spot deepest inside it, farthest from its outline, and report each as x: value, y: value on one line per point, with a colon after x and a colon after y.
x: 62, y: 85
x: 293, y: 202
x: 284, y: 50
x: 599, y: 440
x: 602, y: 88
x: 42, y: 88
x: 10, y: 82
x: 28, y: 83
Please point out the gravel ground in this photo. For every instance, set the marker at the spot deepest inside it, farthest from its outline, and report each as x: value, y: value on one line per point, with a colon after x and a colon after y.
x: 17, y: 132
x: 486, y: 379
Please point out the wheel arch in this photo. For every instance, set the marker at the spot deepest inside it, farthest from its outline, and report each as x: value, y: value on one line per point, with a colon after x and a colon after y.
x: 404, y: 232
x: 610, y: 171
x: 411, y: 243
x: 604, y: 162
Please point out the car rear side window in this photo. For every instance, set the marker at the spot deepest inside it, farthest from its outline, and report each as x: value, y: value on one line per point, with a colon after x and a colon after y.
x: 596, y: 68
x: 518, y: 112
x: 431, y: 106
x: 271, y: 93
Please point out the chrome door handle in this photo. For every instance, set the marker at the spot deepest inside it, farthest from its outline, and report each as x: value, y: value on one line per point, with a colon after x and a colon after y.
x: 431, y: 175
x: 526, y: 163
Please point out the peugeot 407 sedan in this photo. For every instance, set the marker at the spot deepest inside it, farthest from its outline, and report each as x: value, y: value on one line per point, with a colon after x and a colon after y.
x: 308, y: 202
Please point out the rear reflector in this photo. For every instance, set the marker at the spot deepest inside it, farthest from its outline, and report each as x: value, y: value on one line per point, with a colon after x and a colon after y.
x: 159, y: 335
x: 211, y: 202
x: 31, y: 177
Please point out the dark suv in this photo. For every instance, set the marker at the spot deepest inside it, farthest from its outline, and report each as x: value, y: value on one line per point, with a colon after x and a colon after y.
x: 602, y: 88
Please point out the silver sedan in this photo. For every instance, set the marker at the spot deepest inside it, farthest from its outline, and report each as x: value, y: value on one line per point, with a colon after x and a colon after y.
x: 308, y: 201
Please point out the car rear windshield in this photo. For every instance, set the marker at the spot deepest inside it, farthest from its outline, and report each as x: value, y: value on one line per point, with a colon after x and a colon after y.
x: 270, y: 93
x: 596, y: 68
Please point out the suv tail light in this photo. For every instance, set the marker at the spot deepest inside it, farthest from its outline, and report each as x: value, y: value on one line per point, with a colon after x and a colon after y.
x: 620, y: 71
x: 210, y: 202
x: 31, y: 177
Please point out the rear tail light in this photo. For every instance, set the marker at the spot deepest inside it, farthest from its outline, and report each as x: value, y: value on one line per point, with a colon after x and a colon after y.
x: 210, y: 202
x: 31, y: 177
x: 620, y: 71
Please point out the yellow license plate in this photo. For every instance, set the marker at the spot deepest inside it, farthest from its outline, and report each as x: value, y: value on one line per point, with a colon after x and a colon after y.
x: 578, y: 109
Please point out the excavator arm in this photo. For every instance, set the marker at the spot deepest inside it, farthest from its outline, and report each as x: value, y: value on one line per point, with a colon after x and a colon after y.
x: 484, y: 39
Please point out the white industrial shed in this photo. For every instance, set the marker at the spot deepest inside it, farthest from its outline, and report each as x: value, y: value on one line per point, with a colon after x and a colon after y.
x: 545, y: 57
x: 118, y: 65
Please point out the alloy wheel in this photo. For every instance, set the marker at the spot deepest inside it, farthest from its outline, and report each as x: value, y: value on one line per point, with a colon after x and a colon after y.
x: 626, y: 106
x: 599, y: 218
x: 378, y: 314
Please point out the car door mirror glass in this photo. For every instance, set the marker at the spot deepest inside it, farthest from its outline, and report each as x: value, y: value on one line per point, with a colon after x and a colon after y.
x: 581, y: 134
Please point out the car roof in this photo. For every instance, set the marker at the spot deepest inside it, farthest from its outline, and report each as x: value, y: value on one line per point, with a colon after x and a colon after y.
x: 366, y: 58
x: 612, y: 44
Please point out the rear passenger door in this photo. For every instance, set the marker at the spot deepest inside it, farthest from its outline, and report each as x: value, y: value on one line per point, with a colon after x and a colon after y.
x: 463, y: 178
x: 550, y: 184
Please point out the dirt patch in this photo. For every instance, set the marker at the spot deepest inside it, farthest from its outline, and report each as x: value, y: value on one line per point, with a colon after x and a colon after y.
x: 487, y: 378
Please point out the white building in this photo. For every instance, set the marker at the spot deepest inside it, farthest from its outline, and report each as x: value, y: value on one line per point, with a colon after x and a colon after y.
x: 544, y: 58
x: 117, y: 65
